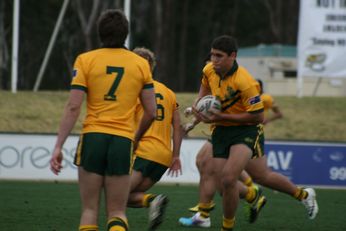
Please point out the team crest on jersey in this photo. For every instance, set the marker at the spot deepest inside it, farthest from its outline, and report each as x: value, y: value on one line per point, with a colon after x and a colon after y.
x: 230, y: 93
x: 254, y: 100
x: 74, y: 73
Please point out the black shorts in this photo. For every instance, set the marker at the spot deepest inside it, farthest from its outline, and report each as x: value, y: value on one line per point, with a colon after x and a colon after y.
x: 224, y: 137
x: 149, y: 169
x: 104, y: 154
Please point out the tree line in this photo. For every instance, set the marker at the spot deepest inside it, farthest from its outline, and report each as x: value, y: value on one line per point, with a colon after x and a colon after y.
x: 178, y: 31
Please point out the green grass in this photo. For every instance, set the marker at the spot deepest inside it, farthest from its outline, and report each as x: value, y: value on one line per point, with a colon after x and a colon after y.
x: 309, y: 118
x: 36, y: 206
x: 47, y: 206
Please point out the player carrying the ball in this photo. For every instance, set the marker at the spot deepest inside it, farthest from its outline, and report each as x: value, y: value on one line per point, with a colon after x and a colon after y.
x: 238, y: 135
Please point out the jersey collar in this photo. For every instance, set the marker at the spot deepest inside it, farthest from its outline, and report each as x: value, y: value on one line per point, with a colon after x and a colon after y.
x: 233, y: 69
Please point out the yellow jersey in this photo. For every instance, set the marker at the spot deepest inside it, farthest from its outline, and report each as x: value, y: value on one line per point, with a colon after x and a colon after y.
x: 238, y: 92
x: 155, y: 145
x: 267, y: 100
x: 113, y: 79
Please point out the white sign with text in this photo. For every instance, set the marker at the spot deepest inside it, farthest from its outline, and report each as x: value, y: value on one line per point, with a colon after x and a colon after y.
x: 322, y: 39
x: 26, y: 157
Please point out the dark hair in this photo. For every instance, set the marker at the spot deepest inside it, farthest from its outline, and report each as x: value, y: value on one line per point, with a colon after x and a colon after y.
x: 207, y: 58
x: 113, y: 28
x: 225, y: 43
x: 261, y: 84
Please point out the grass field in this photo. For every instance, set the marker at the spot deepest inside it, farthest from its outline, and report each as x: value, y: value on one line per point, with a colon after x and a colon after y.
x: 47, y: 206
x: 306, y: 119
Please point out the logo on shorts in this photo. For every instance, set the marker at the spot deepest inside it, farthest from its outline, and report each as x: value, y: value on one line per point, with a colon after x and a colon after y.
x: 248, y: 140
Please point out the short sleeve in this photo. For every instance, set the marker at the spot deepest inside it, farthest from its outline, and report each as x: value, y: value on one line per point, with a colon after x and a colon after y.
x: 79, y: 80
x: 268, y: 101
x: 252, y: 100
x: 148, y: 78
x: 174, y: 101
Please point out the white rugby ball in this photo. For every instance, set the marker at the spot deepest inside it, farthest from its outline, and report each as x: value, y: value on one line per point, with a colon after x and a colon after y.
x: 207, y: 104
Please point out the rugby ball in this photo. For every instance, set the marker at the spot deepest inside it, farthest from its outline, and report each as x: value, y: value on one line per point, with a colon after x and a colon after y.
x: 208, y: 104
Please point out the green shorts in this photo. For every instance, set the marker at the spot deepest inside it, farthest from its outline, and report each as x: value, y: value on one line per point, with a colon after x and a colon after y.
x: 104, y: 154
x: 224, y: 137
x: 149, y: 169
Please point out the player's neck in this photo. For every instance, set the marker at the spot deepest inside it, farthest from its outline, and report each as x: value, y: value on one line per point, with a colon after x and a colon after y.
x: 229, y: 71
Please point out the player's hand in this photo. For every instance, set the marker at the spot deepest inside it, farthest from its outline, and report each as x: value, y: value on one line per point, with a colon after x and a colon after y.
x: 188, y: 111
x: 187, y: 128
x: 135, y: 145
x: 212, y: 117
x: 175, y: 169
x: 56, y: 160
x: 196, y: 114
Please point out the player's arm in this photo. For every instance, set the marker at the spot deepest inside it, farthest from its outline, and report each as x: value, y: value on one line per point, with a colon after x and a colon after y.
x: 203, y: 91
x: 186, y: 128
x: 175, y: 168
x: 277, y: 114
x: 70, y: 116
x: 148, y: 102
x: 253, y: 115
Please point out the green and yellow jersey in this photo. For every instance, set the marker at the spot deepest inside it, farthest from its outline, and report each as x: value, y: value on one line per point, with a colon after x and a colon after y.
x: 155, y: 145
x: 113, y: 80
x: 268, y: 102
x: 238, y: 91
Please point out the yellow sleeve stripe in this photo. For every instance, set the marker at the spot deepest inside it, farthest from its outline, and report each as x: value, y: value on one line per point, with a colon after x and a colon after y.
x: 79, y: 87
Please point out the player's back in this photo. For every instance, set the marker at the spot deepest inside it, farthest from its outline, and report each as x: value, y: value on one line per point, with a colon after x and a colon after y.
x: 113, y: 79
x: 166, y: 105
x: 156, y: 142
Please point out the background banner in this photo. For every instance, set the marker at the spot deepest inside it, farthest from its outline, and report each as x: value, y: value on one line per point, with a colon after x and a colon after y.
x: 322, y: 38
x: 26, y: 157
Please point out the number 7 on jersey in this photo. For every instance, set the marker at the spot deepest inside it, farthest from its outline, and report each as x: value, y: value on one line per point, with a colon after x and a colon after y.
x: 119, y: 74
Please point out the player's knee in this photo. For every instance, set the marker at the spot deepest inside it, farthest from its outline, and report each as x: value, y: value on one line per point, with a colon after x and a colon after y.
x: 260, y: 179
x: 228, y: 181
x: 199, y: 164
x: 202, y: 163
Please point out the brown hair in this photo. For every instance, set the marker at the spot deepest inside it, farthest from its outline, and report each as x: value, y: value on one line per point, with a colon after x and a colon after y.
x: 147, y: 54
x: 225, y: 43
x: 113, y: 28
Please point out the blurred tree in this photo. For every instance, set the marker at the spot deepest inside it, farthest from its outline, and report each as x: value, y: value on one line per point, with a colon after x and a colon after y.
x: 87, y: 17
x: 178, y: 31
x: 4, y: 52
x: 280, y: 20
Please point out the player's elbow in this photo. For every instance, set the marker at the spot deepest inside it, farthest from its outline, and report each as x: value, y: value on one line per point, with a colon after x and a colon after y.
x: 150, y: 111
x: 151, y: 114
x: 72, y: 107
x: 259, y: 118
